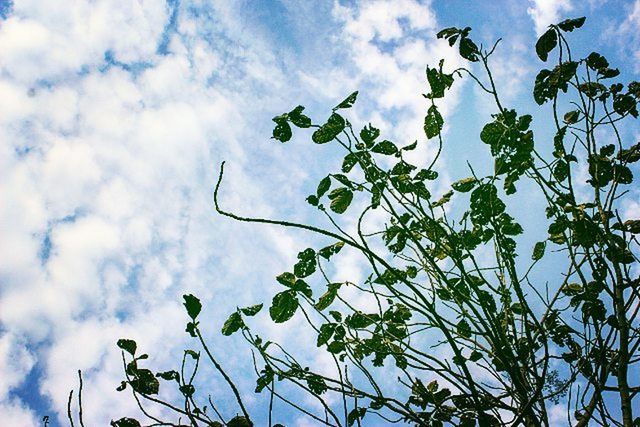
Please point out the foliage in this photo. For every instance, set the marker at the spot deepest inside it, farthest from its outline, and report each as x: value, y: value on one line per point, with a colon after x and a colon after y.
x: 453, y: 310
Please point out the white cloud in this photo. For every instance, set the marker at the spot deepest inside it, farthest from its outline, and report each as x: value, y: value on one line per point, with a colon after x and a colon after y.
x: 547, y: 12
x: 629, y: 30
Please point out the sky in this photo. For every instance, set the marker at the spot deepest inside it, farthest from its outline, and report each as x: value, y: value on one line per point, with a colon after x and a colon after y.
x: 115, y: 117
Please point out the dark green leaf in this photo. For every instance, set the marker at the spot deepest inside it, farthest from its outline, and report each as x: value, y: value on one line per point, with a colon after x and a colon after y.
x: 355, y: 415
x: 282, y: 131
x: 385, y: 147
x: 348, y: 102
x: 265, y: 379
x: 297, y: 118
x: 323, y: 186
x: 233, y: 324
x: 193, y: 305
x: 369, y: 134
x: 169, y: 375
x: 468, y: 49
x: 538, y: 250
x: 571, y: 117
x: 433, y: 122
x: 127, y: 345
x: 251, y: 310
x: 571, y: 24
x: 283, y: 306
x: 596, y: 62
x: 306, y: 264
x: 126, y: 422
x: 546, y: 43
x: 145, y: 382
x: 340, y: 199
x: 622, y: 174
x: 330, y: 250
x: 187, y: 390
x: 286, y: 279
x: 328, y: 297
x: 464, y: 329
x: 438, y: 82
x: 329, y: 130
x: 630, y: 155
x: 464, y: 185
x: 359, y: 320
x: 193, y: 354
x: 350, y: 160
x: 239, y: 421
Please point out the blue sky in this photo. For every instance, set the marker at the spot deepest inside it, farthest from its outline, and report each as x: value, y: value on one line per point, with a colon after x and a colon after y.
x: 114, y: 117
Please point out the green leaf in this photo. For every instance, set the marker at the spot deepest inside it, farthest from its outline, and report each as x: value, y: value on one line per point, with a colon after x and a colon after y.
x: 465, y: 185
x: 438, y: 82
x: 191, y: 329
x: 323, y: 186
x: 385, y: 147
x: 239, y: 421
x: 630, y: 155
x: 571, y: 117
x: 561, y: 170
x: 350, y: 160
x: 446, y: 197
x: 355, y: 415
x: 425, y: 174
x: 283, y: 306
x: 632, y: 226
x: 475, y: 356
x: 463, y: 328
x: 433, y: 122
x: 286, y: 279
x: 193, y: 354
x: 169, y: 375
x: 187, y: 390
x: 306, y: 264
x: 145, y: 382
x: 330, y: 250
x: 126, y: 422
x: 340, y: 199
x: 328, y: 131
x: 127, y: 345
x: 233, y: 324
x: 193, y: 305
x: 297, y: 118
x: 251, y: 310
x: 360, y: 320
x: 328, y: 297
x: 485, y: 204
x: 282, y: 131
x: 596, y: 62
x: 369, y: 134
x: 622, y: 174
x: 302, y: 287
x: 265, y: 379
x: 410, y: 147
x: 571, y: 24
x: 348, y: 102
x: 546, y: 43
x: 538, y: 250
x: 325, y: 334
x: 623, y: 104
x: 468, y: 49
x: 316, y: 384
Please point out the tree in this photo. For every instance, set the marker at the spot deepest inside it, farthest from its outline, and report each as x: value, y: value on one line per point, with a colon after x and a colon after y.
x: 457, y: 317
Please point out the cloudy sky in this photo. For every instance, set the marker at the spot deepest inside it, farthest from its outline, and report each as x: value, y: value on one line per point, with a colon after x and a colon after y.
x: 115, y: 116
